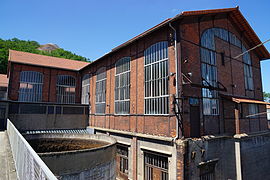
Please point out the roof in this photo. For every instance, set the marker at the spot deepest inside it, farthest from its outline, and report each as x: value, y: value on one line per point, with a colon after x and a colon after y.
x: 3, y: 80
x: 48, y: 61
x: 238, y: 100
x: 235, y: 15
x: 242, y: 99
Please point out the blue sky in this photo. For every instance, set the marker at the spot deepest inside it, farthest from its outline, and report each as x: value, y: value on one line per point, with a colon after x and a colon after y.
x: 93, y: 27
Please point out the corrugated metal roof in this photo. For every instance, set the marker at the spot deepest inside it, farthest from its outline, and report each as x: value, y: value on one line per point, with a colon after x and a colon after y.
x: 48, y: 61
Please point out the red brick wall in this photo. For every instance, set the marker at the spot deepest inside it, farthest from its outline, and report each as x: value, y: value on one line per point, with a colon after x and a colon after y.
x: 136, y: 121
x: 231, y: 75
x: 49, y: 81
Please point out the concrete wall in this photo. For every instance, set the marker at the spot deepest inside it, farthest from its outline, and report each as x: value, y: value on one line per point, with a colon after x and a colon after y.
x: 255, y: 156
x: 242, y: 156
x: 136, y: 148
x: 96, y: 163
x: 38, y: 116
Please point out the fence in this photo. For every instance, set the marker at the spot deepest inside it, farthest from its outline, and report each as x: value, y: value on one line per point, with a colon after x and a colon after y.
x: 28, y: 164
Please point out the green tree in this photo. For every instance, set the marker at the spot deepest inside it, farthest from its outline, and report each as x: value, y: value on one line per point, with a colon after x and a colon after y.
x: 30, y: 46
x: 266, y: 96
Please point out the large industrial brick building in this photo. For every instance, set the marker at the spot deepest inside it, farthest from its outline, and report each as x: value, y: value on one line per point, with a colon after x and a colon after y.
x: 183, y: 99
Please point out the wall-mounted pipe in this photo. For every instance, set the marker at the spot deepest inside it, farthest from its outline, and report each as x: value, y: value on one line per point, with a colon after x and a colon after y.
x: 176, y: 76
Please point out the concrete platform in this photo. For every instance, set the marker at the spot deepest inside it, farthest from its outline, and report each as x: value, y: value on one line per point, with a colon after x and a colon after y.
x: 7, y: 165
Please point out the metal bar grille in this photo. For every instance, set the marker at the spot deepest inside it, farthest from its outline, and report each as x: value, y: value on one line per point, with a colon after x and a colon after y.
x: 155, y: 166
x: 85, y: 89
x: 28, y: 164
x: 31, y: 83
x: 156, y: 94
x: 122, y: 86
x: 66, y: 86
x: 101, y: 91
x: 122, y: 152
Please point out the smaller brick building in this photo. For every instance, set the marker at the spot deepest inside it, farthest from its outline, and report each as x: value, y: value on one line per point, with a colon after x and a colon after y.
x: 39, y: 78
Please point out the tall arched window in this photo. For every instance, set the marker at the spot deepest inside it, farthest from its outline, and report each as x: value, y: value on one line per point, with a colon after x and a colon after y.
x: 122, y: 84
x: 30, y: 86
x: 156, y: 76
x: 66, y: 86
x: 85, y: 89
x: 101, y: 91
x: 209, y: 69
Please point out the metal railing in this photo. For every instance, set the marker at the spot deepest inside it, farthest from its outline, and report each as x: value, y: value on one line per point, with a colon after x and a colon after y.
x: 28, y: 164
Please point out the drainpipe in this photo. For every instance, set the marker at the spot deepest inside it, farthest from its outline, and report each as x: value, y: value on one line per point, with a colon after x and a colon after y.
x: 176, y: 76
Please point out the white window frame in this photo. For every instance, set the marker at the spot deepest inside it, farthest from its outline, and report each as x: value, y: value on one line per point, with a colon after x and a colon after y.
x: 122, y: 100
x: 64, y: 84
x: 31, y: 79
x: 156, y: 97
x: 85, y: 89
x: 101, y: 92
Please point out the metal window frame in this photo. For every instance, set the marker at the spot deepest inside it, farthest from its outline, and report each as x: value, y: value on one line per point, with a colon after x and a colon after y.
x: 126, y: 85
x: 33, y: 78
x: 100, y: 71
x: 156, y: 54
x: 85, y: 94
x: 67, y: 97
x: 124, y: 158
x: 151, y: 166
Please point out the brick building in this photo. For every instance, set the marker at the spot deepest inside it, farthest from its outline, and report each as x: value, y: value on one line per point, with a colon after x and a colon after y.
x: 176, y: 87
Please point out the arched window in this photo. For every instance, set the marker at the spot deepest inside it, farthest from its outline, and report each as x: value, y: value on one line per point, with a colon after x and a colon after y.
x: 30, y: 86
x: 122, y: 86
x: 156, y: 94
x: 101, y: 91
x: 209, y: 69
x: 66, y: 86
x: 85, y: 89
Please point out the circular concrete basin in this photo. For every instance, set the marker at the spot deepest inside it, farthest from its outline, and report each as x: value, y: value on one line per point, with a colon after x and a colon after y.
x: 76, y: 156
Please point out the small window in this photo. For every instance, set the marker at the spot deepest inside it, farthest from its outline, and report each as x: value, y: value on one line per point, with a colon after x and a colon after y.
x: 66, y: 86
x: 85, y: 89
x: 31, y: 83
x: 101, y: 91
x: 207, y: 172
x: 222, y: 59
x: 122, y: 160
x: 122, y: 86
x: 155, y: 166
x: 253, y: 111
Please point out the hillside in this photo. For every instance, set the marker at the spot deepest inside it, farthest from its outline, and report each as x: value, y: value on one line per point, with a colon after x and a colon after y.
x: 30, y: 46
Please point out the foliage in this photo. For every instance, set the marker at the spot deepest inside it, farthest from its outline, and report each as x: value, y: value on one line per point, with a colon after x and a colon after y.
x: 266, y: 96
x: 30, y: 46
